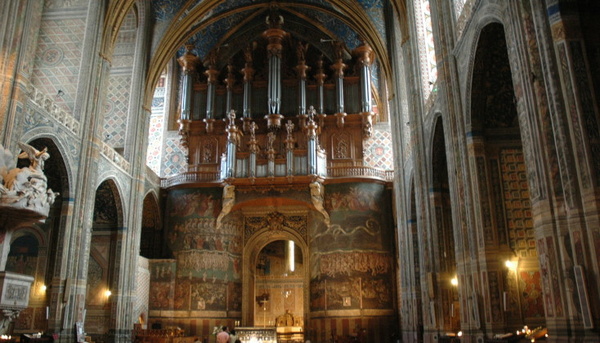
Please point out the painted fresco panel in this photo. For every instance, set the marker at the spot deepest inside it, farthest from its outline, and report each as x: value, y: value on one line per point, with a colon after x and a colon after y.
x: 161, y: 295
x: 531, y: 293
x: 357, y: 218
x: 206, y: 270
x: 352, y: 259
x: 209, y: 296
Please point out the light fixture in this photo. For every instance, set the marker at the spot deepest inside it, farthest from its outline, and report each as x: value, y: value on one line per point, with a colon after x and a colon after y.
x: 43, y: 288
x: 291, y: 253
x: 512, y: 265
x: 454, y: 281
x: 107, y: 293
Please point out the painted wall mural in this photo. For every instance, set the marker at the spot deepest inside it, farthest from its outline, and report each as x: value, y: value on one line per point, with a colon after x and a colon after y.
x: 352, y: 259
x: 205, y: 273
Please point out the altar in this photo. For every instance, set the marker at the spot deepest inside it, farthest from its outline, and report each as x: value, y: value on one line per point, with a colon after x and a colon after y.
x: 288, y: 334
x: 256, y: 334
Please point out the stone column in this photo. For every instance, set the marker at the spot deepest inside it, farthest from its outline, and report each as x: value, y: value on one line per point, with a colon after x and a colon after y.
x: 124, y: 286
x: 20, y: 27
x: 562, y: 82
x: 92, y: 88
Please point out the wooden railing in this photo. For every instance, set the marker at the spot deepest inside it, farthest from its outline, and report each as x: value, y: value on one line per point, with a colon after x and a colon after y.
x: 189, y: 177
x: 332, y: 172
x: 360, y: 171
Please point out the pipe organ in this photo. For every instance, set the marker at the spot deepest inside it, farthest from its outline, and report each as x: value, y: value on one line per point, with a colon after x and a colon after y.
x: 259, y: 112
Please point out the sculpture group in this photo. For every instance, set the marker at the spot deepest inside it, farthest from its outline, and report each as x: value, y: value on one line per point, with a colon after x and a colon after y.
x: 27, y: 187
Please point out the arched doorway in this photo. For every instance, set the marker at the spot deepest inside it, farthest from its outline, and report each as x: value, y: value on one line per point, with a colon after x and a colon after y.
x: 511, y: 277
x: 276, y: 271
x: 279, y: 285
x: 444, y: 262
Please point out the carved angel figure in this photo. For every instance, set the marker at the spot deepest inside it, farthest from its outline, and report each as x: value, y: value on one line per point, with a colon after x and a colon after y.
x: 26, y: 187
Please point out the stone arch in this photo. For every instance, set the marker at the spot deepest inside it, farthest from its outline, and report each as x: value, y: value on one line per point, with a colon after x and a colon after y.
x: 111, y: 186
x: 489, y: 16
x: 443, y: 262
x: 177, y: 37
x: 24, y: 253
x: 57, y: 169
x: 58, y: 150
x: 253, y: 247
x: 503, y: 211
x: 103, y: 268
x: 151, y: 238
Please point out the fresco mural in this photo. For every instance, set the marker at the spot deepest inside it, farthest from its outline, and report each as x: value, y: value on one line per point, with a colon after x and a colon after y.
x: 205, y: 273
x: 162, y: 274
x: 352, y: 259
x: 23, y: 255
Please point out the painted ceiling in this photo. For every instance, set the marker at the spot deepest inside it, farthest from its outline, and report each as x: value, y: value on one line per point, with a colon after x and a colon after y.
x: 208, y: 24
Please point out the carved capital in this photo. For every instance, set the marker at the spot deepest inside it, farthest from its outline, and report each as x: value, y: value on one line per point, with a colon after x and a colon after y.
x: 367, y: 124
x: 188, y: 61
x: 365, y: 55
x: 340, y: 119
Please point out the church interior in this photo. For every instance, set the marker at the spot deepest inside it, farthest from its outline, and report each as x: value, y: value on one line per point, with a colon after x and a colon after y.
x: 299, y: 171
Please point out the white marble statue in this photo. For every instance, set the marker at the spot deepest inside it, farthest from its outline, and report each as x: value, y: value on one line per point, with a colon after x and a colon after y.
x: 25, y: 188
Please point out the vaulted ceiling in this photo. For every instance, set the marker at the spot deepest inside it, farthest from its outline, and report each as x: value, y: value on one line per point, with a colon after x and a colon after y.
x: 231, y: 25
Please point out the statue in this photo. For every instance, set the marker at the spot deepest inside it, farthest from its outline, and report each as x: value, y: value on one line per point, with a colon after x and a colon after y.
x: 301, y: 51
x: 26, y: 188
x: 317, y: 197
x: 228, y: 202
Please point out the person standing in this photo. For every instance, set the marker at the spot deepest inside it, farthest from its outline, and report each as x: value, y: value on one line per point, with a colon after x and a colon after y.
x: 232, y: 336
x: 223, y: 336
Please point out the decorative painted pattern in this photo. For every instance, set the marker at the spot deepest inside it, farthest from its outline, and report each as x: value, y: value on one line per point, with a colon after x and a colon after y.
x: 174, y: 161
x: 156, y: 128
x: 378, y: 151
x: 58, y: 59
x: 517, y: 203
x: 588, y: 114
x: 116, y: 110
